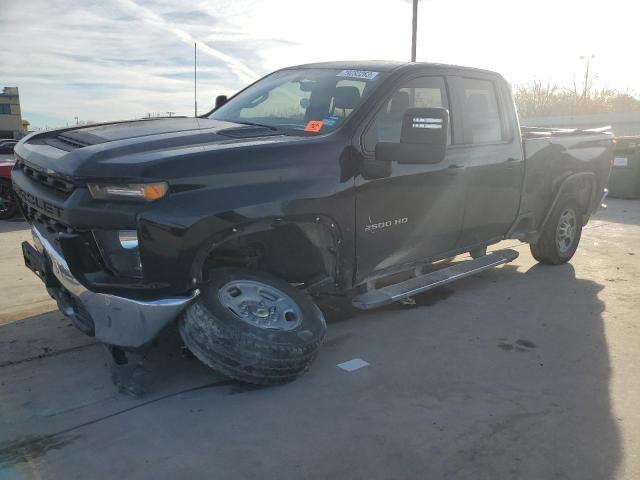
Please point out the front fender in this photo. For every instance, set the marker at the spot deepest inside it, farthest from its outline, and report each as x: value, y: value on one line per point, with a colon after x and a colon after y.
x: 298, y: 248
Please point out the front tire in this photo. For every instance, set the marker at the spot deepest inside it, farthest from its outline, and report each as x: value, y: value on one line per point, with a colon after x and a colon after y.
x: 253, y: 327
x: 561, y: 235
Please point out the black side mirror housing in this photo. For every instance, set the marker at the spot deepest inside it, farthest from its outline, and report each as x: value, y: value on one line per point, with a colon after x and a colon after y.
x: 220, y: 100
x: 423, y: 138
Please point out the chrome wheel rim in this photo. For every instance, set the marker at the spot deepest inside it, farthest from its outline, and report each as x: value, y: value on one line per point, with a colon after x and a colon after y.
x: 566, y: 232
x: 260, y: 305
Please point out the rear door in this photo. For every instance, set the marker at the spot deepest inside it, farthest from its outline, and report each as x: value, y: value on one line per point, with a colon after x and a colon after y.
x: 416, y: 211
x: 493, y: 158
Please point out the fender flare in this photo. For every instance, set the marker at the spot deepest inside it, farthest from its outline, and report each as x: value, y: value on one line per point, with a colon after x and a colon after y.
x: 566, y: 183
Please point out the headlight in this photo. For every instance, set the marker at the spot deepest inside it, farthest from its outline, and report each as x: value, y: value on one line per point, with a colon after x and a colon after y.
x: 140, y: 191
x: 120, y: 252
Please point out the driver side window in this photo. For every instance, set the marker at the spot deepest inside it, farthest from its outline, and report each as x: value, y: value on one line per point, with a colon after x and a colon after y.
x: 421, y: 92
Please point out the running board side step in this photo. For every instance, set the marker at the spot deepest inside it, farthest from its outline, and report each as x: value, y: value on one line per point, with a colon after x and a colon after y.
x: 392, y: 293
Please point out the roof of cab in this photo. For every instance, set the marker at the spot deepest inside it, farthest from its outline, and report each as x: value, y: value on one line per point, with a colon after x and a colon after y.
x: 385, y: 66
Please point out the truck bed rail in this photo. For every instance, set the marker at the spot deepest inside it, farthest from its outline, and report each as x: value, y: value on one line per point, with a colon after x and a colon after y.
x: 541, y: 132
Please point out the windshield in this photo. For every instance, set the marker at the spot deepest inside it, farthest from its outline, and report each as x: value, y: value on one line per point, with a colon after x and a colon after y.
x: 314, y: 100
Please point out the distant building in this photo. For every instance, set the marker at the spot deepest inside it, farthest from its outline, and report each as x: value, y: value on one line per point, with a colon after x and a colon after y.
x: 11, y: 123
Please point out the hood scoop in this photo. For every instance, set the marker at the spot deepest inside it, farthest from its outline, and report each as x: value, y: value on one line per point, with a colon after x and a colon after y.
x: 249, y: 131
x: 79, y: 139
x: 73, y: 140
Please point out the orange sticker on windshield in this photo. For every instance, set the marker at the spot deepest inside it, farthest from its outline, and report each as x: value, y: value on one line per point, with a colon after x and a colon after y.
x: 313, y: 126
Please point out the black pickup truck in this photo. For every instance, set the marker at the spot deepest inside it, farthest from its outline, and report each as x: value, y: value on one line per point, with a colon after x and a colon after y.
x: 326, y: 179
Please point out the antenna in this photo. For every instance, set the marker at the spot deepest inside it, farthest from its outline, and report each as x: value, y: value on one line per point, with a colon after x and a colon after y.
x: 195, y: 81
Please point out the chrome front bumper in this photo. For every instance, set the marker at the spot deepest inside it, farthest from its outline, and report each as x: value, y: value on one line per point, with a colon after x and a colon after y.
x: 117, y: 320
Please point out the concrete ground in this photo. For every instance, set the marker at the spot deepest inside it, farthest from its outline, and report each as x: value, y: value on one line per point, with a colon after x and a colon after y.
x: 522, y: 372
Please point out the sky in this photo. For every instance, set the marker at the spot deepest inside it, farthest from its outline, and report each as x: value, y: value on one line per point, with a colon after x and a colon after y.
x: 103, y: 60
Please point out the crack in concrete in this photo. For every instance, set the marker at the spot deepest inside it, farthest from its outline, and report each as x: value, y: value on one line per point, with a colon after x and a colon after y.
x: 54, y: 353
x: 25, y: 449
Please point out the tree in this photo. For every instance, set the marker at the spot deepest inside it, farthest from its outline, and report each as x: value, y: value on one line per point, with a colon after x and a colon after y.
x: 544, y: 99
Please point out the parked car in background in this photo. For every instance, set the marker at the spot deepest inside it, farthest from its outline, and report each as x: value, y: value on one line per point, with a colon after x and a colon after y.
x: 8, y: 203
x: 319, y: 180
x: 7, y: 145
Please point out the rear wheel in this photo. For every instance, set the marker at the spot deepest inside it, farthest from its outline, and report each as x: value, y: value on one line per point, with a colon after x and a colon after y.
x: 561, y: 234
x: 253, y: 327
x: 8, y: 204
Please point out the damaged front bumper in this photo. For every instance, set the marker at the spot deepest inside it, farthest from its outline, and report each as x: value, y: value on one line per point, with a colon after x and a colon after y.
x: 114, y: 320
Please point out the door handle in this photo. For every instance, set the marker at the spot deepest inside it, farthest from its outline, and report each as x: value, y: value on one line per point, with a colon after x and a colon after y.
x: 454, y: 169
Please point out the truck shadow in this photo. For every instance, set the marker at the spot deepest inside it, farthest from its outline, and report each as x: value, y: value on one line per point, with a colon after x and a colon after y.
x: 530, y: 342
x: 513, y: 369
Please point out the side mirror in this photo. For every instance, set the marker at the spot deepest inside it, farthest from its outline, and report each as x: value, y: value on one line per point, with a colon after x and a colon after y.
x: 220, y: 100
x: 423, y: 138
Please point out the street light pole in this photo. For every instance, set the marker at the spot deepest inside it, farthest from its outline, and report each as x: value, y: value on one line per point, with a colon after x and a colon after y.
x: 414, y: 30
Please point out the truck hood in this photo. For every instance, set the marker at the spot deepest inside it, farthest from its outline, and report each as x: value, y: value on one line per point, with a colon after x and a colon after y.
x: 92, y: 135
x: 131, y: 149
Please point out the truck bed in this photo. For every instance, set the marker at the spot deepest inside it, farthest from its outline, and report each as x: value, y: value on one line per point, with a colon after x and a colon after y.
x: 551, y: 155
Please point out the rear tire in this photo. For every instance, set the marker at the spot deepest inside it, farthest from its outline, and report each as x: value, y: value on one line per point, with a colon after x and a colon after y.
x: 8, y: 203
x: 253, y: 327
x: 561, y: 235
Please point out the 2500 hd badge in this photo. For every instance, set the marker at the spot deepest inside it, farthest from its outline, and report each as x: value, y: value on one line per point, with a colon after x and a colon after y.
x: 376, y: 227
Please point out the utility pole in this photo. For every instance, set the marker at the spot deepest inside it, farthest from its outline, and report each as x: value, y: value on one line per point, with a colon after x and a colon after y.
x: 76, y: 120
x: 195, y: 81
x: 414, y: 30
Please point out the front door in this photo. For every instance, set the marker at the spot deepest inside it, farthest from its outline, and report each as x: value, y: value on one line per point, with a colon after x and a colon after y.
x: 416, y: 212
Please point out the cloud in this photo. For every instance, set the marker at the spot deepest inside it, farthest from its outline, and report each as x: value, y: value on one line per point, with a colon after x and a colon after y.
x: 151, y: 18
x: 113, y: 59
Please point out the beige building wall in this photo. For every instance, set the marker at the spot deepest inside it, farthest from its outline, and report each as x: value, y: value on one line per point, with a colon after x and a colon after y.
x: 11, y: 125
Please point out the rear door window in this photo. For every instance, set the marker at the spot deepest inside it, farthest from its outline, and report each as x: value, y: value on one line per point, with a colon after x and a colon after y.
x: 483, y: 120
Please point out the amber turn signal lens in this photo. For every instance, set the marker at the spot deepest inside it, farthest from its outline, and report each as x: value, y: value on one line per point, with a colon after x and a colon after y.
x: 154, y: 191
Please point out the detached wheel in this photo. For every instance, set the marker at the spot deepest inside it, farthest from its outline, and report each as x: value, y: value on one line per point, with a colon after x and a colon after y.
x: 8, y: 203
x: 253, y: 327
x: 561, y: 235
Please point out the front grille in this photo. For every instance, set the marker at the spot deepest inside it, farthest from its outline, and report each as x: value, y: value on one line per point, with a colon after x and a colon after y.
x: 51, y: 225
x: 51, y: 181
